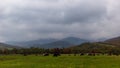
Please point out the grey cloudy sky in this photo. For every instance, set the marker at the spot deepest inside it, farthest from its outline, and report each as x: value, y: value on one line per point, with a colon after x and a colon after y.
x: 34, y: 19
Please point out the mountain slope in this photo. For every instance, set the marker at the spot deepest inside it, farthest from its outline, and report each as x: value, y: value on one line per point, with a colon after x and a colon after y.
x: 2, y: 46
x: 105, y: 45
x: 114, y: 41
x: 74, y: 40
x: 33, y: 42
x: 66, y: 42
x: 51, y: 43
x: 57, y: 44
x: 95, y: 46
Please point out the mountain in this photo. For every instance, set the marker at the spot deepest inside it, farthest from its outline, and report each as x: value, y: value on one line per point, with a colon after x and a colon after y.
x: 33, y: 42
x: 50, y: 43
x: 3, y: 46
x: 107, y: 44
x: 98, y: 46
x: 66, y: 42
x: 74, y: 40
x: 114, y: 41
x: 57, y: 44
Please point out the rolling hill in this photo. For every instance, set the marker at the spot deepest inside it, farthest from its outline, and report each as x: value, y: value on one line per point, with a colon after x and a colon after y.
x: 105, y: 45
x: 114, y: 41
x: 94, y: 46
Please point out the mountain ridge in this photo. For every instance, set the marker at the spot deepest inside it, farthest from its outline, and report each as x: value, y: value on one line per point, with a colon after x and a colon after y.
x: 48, y: 43
x: 114, y: 41
x: 7, y: 46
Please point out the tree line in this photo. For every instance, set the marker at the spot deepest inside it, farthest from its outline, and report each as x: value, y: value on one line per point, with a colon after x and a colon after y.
x: 57, y: 51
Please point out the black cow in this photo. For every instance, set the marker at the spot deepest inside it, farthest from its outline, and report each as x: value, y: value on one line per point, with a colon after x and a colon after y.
x: 81, y: 54
x: 56, y: 54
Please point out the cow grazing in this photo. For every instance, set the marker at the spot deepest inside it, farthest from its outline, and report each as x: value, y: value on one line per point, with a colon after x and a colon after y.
x: 56, y: 54
x: 81, y: 54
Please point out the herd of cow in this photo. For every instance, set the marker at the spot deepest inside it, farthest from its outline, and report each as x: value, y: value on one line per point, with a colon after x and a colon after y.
x: 81, y: 54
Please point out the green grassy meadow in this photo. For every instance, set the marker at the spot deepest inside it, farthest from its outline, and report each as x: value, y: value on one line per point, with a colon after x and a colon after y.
x: 64, y: 61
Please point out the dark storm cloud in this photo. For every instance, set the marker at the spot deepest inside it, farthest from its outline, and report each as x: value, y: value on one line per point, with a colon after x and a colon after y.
x: 87, y: 19
x: 62, y: 14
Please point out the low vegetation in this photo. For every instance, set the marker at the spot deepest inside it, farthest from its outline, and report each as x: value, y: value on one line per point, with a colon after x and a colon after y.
x: 63, y: 61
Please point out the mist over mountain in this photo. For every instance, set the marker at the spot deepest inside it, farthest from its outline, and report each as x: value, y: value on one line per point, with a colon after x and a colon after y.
x: 33, y: 42
x: 33, y: 19
x: 62, y: 43
x: 59, y: 23
x: 50, y: 43
x: 7, y: 46
x: 57, y: 44
x: 74, y: 40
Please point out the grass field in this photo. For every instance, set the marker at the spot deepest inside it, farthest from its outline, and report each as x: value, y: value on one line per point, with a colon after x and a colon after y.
x: 64, y: 61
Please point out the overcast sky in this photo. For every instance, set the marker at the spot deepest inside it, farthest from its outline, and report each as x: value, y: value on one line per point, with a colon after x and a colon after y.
x: 34, y: 19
